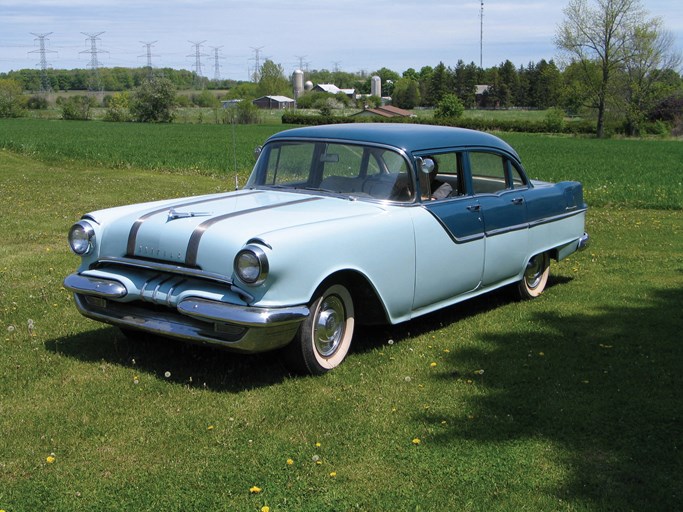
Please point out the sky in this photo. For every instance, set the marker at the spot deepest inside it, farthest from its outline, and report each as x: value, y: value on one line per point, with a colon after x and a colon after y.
x: 345, y: 35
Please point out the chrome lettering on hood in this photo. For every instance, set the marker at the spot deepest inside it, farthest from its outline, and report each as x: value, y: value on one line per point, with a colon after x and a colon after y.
x: 173, y: 215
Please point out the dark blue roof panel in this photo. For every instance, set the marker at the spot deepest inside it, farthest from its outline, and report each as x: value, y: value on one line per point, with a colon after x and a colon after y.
x: 406, y: 136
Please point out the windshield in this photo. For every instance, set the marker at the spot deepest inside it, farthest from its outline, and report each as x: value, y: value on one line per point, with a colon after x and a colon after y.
x: 348, y: 169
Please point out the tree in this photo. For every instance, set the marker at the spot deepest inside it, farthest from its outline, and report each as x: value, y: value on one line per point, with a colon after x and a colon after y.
x: 599, y: 32
x: 406, y: 93
x: 652, y: 54
x: 272, y: 80
x: 153, y: 101
x: 11, y: 98
x: 438, y: 84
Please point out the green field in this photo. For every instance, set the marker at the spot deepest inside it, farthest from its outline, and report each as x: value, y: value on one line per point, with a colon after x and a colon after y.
x: 568, y: 402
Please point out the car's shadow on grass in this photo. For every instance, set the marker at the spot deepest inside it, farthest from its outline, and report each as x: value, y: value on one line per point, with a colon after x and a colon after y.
x: 172, y: 360
x: 221, y: 370
x: 372, y: 337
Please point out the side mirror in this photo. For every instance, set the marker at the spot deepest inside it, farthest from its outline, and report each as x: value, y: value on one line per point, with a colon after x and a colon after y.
x: 257, y: 152
x: 427, y: 165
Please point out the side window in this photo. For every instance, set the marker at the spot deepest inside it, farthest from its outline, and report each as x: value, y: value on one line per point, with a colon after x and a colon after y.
x: 488, y: 173
x: 445, y: 179
x: 517, y: 179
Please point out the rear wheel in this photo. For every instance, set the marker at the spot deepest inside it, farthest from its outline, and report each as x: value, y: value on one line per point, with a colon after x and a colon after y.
x: 535, y: 277
x: 324, y: 338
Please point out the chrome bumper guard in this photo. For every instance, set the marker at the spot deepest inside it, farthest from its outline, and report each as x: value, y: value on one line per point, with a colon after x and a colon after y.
x: 240, y: 328
x: 583, y: 242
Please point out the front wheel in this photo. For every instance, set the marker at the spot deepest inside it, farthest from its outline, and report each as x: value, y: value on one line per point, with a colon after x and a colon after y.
x: 324, y: 338
x: 535, y: 277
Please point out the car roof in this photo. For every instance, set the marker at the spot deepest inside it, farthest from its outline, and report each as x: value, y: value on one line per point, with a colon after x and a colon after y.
x: 406, y: 136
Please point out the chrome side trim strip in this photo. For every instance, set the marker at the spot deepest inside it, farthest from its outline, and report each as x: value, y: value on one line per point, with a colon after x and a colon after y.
x: 212, y: 311
x: 163, y: 267
x: 553, y: 218
x: 193, y: 245
x: 104, y: 288
x: 132, y: 235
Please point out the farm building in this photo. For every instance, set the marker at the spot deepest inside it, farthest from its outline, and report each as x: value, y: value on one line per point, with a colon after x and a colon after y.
x: 274, y: 102
x: 384, y: 111
x: 333, y: 89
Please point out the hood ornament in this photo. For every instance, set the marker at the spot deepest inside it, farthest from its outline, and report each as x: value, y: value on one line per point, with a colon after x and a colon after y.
x: 173, y: 215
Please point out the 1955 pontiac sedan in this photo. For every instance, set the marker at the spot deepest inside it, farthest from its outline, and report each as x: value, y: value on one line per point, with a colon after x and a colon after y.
x: 337, y: 225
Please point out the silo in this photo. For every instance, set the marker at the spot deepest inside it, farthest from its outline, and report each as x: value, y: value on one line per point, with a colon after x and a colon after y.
x: 376, y: 86
x: 298, y: 82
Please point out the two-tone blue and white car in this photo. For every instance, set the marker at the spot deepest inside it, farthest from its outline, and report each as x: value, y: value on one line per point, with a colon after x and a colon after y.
x: 337, y: 225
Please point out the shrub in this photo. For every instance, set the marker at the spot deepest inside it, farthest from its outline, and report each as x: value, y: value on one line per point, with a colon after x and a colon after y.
x: 154, y: 101
x: 11, y: 98
x: 117, y: 108
x: 450, y: 107
x: 78, y: 108
x: 37, y: 103
x: 554, y: 120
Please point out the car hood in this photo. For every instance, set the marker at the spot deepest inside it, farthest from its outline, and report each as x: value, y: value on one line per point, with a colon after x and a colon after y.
x: 207, y: 231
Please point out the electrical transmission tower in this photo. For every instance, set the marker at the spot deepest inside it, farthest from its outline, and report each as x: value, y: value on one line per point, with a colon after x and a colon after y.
x: 44, y: 79
x: 95, y: 84
x: 216, y: 63
x: 257, y: 63
x: 198, y: 62
x: 148, y: 54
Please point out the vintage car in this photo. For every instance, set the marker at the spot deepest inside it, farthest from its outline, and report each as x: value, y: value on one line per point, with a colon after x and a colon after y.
x: 337, y: 225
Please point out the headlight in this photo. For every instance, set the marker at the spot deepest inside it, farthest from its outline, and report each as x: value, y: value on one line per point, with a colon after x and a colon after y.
x: 251, y: 265
x: 82, y: 238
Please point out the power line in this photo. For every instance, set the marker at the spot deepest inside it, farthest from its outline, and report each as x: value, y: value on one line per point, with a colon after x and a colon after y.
x: 45, y: 85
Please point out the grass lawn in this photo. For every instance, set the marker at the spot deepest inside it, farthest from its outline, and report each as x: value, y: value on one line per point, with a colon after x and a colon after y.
x: 568, y: 402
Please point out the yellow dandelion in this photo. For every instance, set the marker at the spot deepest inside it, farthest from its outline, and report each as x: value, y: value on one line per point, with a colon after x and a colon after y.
x: 255, y: 490
x: 210, y: 427
x: 290, y: 462
x: 416, y: 441
x: 50, y: 459
x: 333, y: 474
x: 317, y: 445
x: 265, y: 508
x: 433, y: 365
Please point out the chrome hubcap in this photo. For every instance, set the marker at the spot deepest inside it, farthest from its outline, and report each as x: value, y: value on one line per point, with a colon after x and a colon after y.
x: 534, y: 272
x: 329, y: 326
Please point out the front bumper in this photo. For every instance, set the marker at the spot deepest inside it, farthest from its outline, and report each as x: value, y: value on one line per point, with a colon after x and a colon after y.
x: 241, y: 328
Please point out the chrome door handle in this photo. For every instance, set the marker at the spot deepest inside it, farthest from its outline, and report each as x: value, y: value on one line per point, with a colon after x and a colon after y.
x: 474, y: 207
x: 518, y: 200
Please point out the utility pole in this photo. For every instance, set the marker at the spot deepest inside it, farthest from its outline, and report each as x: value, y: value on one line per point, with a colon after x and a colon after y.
x: 148, y: 54
x: 198, y: 62
x: 216, y: 63
x: 45, y: 85
x: 481, y: 36
x: 94, y: 62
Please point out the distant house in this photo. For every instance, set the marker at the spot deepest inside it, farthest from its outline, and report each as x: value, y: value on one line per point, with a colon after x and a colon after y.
x: 274, y: 102
x: 385, y: 111
x: 480, y: 92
